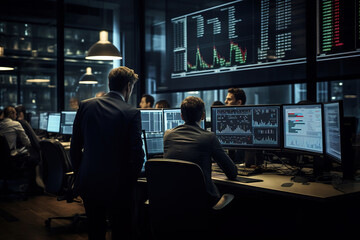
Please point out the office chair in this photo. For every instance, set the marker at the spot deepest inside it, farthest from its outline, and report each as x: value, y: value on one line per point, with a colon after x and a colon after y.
x: 179, y: 205
x: 58, y: 177
x: 10, y: 169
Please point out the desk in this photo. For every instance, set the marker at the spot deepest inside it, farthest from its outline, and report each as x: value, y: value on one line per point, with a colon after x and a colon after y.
x: 272, y: 184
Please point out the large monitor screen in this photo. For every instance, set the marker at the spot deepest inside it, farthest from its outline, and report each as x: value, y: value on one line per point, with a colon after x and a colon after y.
x: 225, y: 45
x: 338, y: 45
x: 43, y: 121
x: 53, y: 125
x: 332, y: 128
x: 67, y: 120
x: 152, y: 123
x: 172, y: 118
x: 303, y: 128
x: 247, y: 126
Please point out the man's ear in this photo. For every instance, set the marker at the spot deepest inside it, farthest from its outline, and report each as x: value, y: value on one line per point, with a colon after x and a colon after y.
x: 182, y: 116
x: 203, y: 116
x: 239, y: 102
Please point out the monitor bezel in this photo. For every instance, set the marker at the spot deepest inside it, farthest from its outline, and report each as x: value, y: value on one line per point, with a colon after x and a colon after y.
x: 270, y: 148
x: 303, y: 151
x: 341, y: 122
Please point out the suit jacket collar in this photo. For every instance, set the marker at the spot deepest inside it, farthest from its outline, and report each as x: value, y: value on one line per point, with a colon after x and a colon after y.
x: 115, y: 94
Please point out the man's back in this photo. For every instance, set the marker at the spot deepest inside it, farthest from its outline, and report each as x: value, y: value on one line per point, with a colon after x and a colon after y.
x: 109, y: 130
x: 11, y: 130
x: 191, y: 143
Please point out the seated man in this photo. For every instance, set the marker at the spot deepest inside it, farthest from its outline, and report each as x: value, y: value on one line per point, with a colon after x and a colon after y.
x: 12, y: 130
x: 191, y: 143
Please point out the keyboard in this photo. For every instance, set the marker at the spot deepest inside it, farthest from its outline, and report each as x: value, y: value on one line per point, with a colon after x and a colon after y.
x: 247, y: 180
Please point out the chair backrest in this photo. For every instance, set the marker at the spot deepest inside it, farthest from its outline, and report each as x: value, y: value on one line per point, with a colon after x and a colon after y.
x: 5, y: 156
x: 178, y: 200
x: 56, y: 167
x: 4, y: 147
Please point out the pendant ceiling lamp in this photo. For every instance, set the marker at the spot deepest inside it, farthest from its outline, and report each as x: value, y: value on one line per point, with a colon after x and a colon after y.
x: 103, y: 49
x: 88, y: 77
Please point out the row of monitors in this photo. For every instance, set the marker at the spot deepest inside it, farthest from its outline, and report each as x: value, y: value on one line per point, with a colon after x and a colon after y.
x: 54, y: 122
x: 311, y: 128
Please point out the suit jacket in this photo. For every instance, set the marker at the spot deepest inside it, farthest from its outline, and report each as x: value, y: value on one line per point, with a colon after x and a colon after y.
x: 191, y: 143
x: 106, y: 148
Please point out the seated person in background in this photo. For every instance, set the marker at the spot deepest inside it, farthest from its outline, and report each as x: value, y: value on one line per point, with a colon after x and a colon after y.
x: 162, y: 104
x: 74, y: 103
x: 12, y: 130
x: 34, y: 150
x: 217, y: 103
x: 189, y: 142
x: 147, y: 101
x: 15, y: 134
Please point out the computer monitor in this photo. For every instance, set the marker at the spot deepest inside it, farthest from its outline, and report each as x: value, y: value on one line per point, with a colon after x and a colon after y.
x: 34, y: 121
x: 303, y: 128
x: 333, y: 113
x: 152, y: 123
x: 67, y: 120
x: 247, y: 127
x: 143, y: 138
x: 53, y: 125
x: 43, y: 120
x: 172, y: 118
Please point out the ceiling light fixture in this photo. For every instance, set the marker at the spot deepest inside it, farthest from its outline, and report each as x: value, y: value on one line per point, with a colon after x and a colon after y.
x: 38, y: 80
x: 103, y: 49
x: 88, y: 77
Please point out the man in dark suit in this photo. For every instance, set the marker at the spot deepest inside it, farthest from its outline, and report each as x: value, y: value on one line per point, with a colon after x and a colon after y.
x: 191, y: 143
x: 107, y: 156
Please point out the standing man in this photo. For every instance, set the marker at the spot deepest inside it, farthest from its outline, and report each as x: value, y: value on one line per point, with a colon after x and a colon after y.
x: 189, y: 142
x: 147, y: 101
x: 107, y: 156
x: 235, y: 96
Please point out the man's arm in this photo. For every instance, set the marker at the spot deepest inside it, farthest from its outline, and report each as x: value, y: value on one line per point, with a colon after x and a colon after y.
x: 22, y: 135
x: 223, y: 160
x: 137, y: 153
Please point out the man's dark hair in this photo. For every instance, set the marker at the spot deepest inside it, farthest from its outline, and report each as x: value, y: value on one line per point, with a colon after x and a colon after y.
x: 20, y: 109
x: 192, y: 109
x: 120, y: 77
x: 239, y: 94
x: 217, y: 103
x: 149, y: 99
x: 162, y: 104
x: 8, y: 111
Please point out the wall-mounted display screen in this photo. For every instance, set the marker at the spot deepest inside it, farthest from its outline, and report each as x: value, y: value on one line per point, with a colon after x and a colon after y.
x: 232, y: 40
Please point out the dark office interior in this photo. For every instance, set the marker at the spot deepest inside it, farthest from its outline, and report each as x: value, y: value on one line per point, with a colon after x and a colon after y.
x: 280, y: 52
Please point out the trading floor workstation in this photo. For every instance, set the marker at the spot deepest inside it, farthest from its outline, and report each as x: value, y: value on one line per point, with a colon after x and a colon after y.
x: 297, y: 158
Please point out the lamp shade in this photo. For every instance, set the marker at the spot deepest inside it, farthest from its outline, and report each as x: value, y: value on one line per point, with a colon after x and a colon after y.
x: 88, y: 77
x: 103, y: 49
